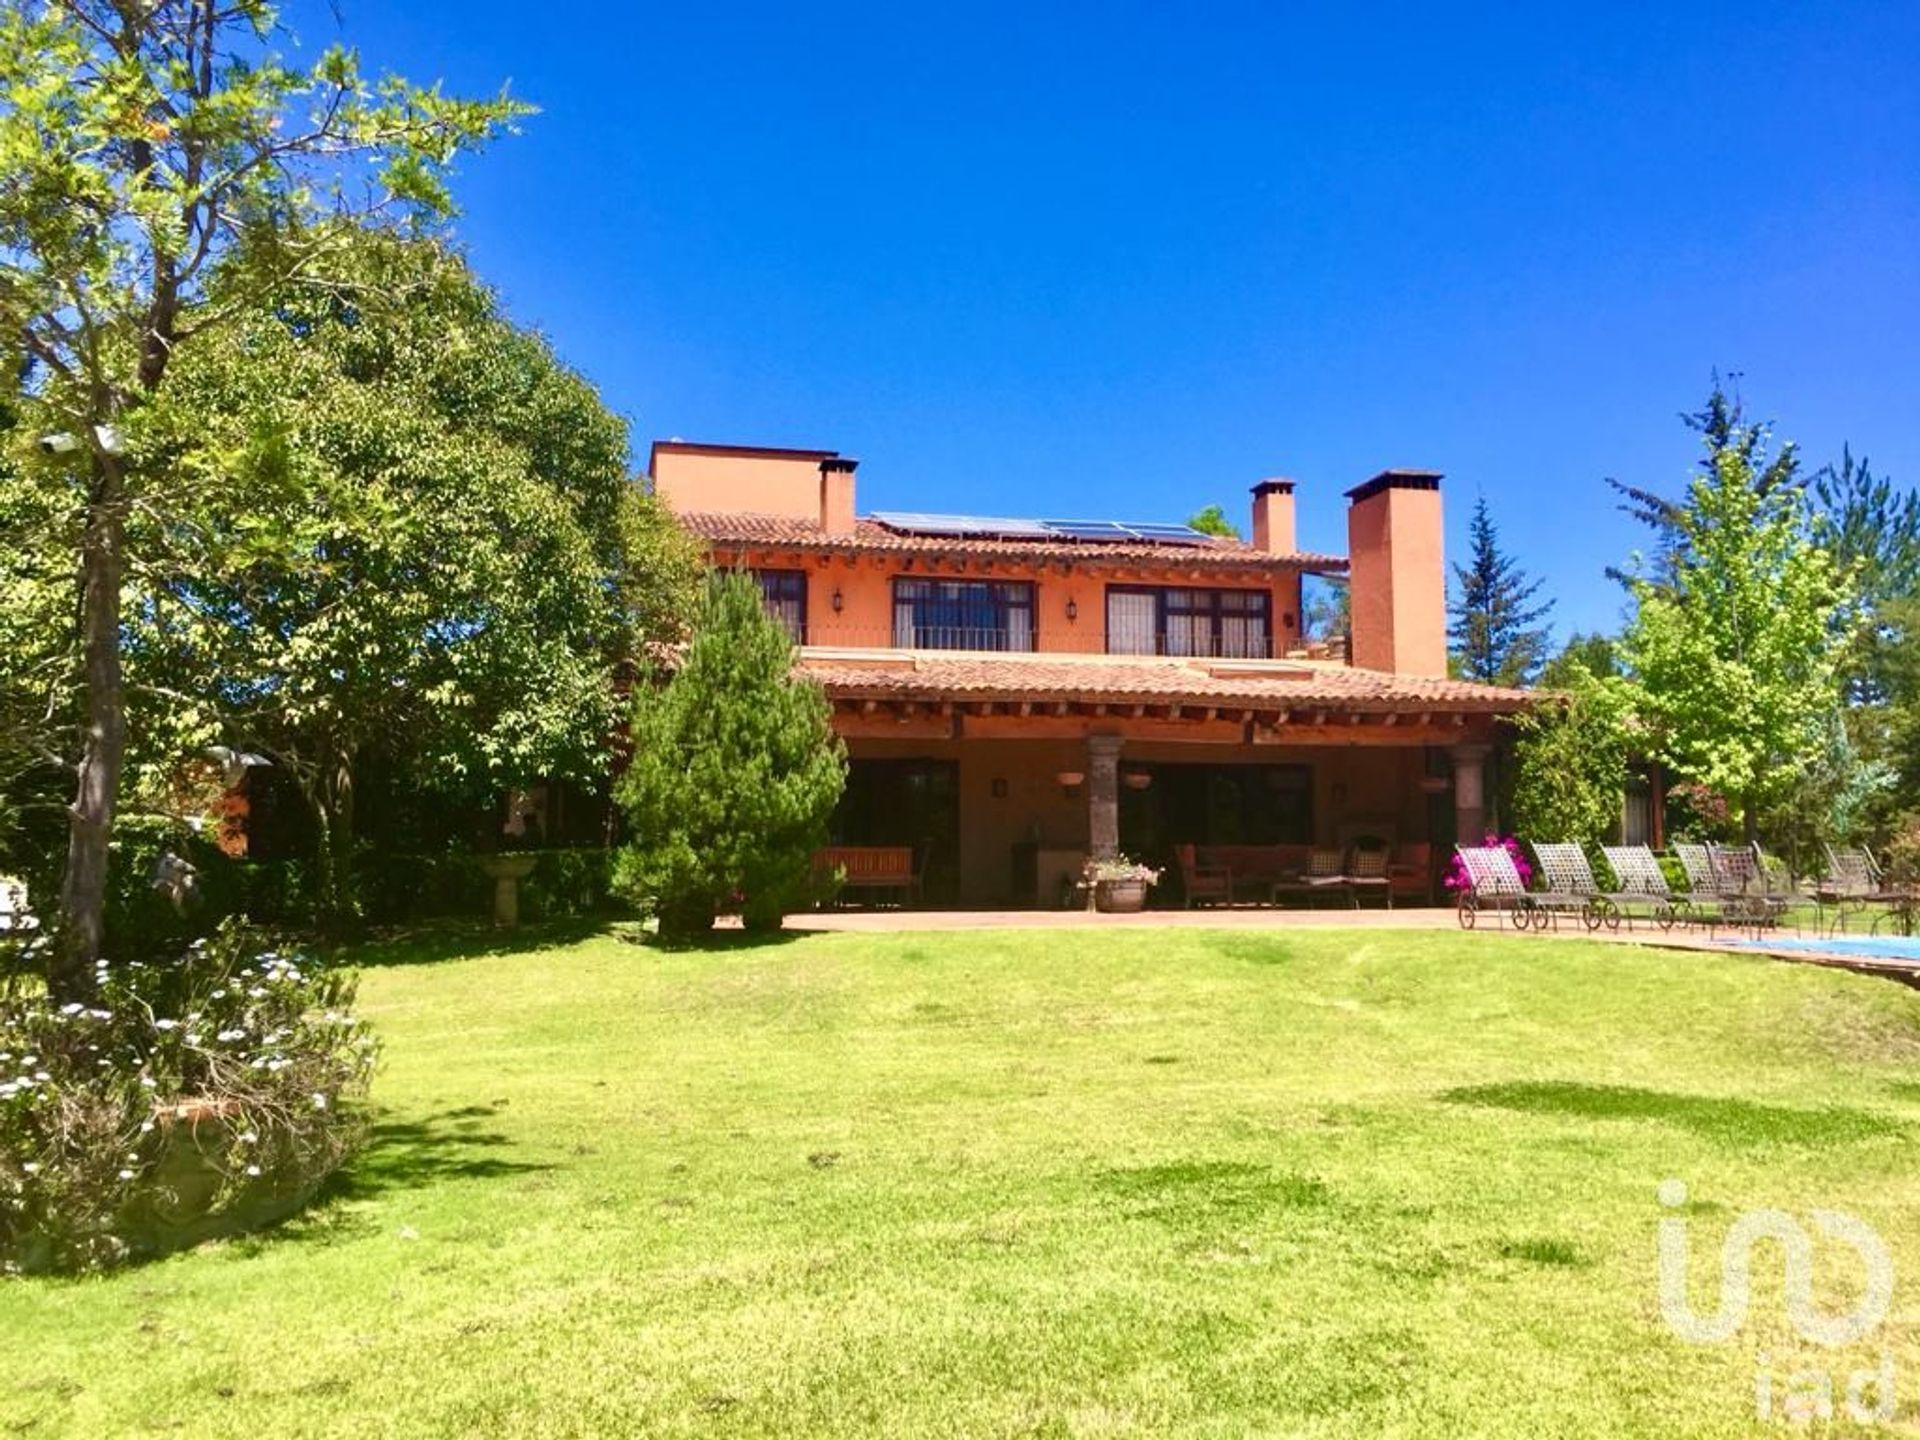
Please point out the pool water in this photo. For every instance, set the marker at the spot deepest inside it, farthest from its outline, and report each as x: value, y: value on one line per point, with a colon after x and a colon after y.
x: 1875, y: 947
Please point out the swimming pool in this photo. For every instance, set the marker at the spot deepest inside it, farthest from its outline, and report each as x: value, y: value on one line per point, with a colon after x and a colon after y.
x: 1873, y: 947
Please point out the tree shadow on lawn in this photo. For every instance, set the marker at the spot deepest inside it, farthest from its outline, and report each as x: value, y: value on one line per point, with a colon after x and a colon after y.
x: 398, y: 1155
x: 445, y: 940
x: 1723, y: 1119
x: 413, y: 1154
x: 436, y: 943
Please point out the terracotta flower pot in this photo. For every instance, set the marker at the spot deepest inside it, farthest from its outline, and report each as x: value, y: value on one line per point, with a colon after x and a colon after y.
x: 1120, y: 897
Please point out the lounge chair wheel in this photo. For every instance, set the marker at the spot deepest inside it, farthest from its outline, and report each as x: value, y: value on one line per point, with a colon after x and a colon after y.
x: 1467, y: 911
x: 1664, y: 916
x: 1521, y: 915
x: 1539, y: 916
x: 1610, y: 914
x: 1592, y: 916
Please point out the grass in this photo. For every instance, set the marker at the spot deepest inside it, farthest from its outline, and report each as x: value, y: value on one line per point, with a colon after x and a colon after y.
x: 1028, y: 1183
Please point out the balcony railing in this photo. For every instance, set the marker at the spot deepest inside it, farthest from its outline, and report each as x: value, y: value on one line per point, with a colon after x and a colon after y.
x: 1080, y: 639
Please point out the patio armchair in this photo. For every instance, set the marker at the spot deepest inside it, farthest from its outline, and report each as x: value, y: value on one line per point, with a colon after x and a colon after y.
x: 1368, y: 870
x: 1410, y: 873
x: 1204, y: 881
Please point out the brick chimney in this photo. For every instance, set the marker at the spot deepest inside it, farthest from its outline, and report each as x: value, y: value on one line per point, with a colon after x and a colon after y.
x: 836, y: 494
x: 1397, y: 577
x: 1273, y: 517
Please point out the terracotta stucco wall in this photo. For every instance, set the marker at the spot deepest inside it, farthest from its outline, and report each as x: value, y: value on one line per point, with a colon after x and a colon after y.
x: 760, y: 485
x: 864, y: 619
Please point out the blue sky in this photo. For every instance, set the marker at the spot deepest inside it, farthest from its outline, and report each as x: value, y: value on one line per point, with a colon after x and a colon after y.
x: 1119, y: 260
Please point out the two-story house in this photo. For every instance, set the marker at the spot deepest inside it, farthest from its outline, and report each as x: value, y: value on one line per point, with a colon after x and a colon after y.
x: 1018, y: 693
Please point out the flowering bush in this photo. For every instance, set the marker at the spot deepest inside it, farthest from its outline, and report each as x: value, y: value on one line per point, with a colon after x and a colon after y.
x: 185, y: 1098
x: 1456, y: 878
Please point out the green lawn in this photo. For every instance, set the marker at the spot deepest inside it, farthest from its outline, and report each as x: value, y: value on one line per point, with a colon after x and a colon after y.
x: 1028, y: 1183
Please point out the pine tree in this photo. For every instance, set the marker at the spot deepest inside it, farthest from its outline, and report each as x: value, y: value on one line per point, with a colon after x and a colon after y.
x: 1495, y: 633
x: 735, y: 772
x: 1722, y: 425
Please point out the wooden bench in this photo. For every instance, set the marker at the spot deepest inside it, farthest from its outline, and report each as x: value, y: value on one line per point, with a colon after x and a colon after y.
x: 870, y: 867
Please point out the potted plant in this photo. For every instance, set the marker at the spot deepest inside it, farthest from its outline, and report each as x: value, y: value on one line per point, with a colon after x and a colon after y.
x: 1119, y: 885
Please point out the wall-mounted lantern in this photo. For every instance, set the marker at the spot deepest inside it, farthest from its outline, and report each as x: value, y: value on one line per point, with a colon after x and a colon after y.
x: 838, y: 600
x: 1073, y: 609
x: 1071, y: 780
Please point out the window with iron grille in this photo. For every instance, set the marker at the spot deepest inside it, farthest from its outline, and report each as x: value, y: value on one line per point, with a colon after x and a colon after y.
x: 963, y: 615
x: 1227, y: 624
x: 785, y: 595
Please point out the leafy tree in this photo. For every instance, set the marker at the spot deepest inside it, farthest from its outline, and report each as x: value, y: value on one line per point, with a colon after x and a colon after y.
x: 1569, y: 774
x: 1326, y: 608
x: 1495, y: 632
x: 140, y: 143
x: 1735, y: 649
x: 1593, y: 655
x: 422, y: 539
x: 735, y: 772
x: 1213, y: 521
x: 1721, y: 425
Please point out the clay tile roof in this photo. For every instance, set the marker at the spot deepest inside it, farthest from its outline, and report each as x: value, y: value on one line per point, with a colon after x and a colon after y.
x: 1125, y: 679
x: 870, y: 536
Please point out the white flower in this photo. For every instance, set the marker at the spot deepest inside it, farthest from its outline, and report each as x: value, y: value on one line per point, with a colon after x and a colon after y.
x: 319, y: 1101
x: 166, y: 1024
x: 32, y: 1167
x: 126, y: 1174
x: 253, y: 1169
x: 41, y: 1075
x: 72, y: 1008
x: 248, y: 1137
x: 145, y: 1126
x: 149, y: 1082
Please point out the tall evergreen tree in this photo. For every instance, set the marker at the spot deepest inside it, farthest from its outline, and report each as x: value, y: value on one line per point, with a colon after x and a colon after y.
x: 1873, y: 532
x: 1495, y: 630
x: 1736, y: 651
x: 735, y: 772
x: 1721, y: 425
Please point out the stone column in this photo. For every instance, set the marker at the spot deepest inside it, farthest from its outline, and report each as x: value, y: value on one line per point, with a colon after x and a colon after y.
x: 1470, y: 792
x: 1103, y: 795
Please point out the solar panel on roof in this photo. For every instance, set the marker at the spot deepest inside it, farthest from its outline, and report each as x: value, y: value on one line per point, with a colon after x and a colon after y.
x: 914, y: 522
x: 917, y: 523
x: 1126, y: 530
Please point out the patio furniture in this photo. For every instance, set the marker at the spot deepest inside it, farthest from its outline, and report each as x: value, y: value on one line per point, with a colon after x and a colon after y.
x: 1726, y: 885
x: 1853, y: 881
x: 1410, y: 874
x: 870, y: 867
x: 1746, y: 881
x: 1494, y: 884
x: 1636, y: 870
x: 1567, y: 871
x: 1253, y: 868
x: 1367, y: 870
x: 1205, y: 881
x: 1326, y: 870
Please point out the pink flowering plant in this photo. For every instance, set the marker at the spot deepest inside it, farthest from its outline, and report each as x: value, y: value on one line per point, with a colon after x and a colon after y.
x: 232, y: 1073
x: 1457, y: 881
